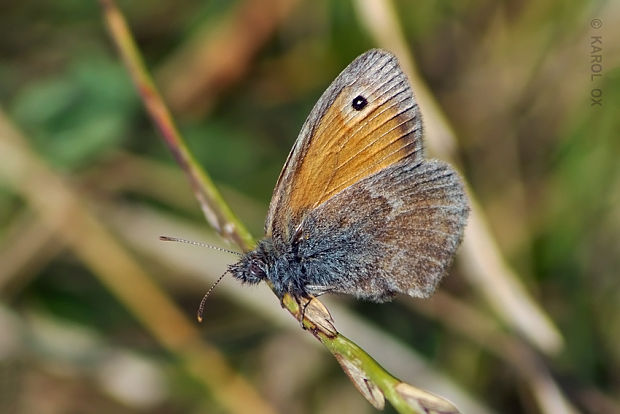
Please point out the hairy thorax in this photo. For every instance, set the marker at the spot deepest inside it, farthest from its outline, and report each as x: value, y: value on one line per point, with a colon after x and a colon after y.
x: 286, y: 269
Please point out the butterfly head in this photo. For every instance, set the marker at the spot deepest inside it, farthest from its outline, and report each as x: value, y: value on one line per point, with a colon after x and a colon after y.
x: 253, y: 266
x: 284, y: 268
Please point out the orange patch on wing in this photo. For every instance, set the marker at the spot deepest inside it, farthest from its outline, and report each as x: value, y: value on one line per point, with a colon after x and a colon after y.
x: 348, y: 146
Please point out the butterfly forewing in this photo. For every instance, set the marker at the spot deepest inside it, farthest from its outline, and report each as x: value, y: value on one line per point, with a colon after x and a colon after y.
x: 342, y: 143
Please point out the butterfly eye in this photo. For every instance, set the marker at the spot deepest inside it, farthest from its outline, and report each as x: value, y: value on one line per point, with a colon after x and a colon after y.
x: 256, y: 271
x: 359, y: 103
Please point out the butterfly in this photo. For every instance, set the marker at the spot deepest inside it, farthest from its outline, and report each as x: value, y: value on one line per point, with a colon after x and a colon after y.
x: 357, y: 208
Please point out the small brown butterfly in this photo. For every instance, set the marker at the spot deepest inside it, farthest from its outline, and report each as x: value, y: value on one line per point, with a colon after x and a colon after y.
x: 357, y: 208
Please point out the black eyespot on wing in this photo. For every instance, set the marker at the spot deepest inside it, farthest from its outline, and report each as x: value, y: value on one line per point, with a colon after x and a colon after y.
x: 359, y: 103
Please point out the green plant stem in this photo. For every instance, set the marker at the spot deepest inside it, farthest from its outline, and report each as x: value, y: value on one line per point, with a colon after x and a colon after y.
x: 216, y: 211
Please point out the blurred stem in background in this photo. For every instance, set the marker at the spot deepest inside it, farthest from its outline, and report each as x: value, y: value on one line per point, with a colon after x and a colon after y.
x: 124, y: 277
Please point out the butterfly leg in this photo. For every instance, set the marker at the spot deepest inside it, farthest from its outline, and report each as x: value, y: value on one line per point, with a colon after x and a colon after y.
x: 303, y: 310
x: 318, y: 290
x: 303, y: 302
x: 314, y: 291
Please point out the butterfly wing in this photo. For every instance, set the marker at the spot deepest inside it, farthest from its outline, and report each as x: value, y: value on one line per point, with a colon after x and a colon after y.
x: 340, y: 144
x: 395, y: 231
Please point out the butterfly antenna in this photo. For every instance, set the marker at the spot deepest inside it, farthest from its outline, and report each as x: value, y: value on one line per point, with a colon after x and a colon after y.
x: 195, y: 243
x: 201, y: 307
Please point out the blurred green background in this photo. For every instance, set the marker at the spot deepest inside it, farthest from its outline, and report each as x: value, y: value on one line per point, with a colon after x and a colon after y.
x: 93, y: 305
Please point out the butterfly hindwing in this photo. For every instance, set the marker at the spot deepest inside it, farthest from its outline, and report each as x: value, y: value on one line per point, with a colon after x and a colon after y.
x: 393, y: 232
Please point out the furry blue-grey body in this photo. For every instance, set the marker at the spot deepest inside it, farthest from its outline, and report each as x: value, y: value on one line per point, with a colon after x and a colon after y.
x: 310, y: 263
x: 320, y: 257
